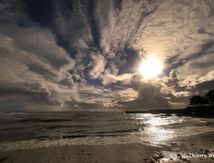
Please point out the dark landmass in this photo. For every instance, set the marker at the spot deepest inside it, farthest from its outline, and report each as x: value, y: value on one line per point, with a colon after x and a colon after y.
x: 193, y: 111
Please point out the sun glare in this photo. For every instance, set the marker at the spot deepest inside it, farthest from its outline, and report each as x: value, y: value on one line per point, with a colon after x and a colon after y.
x: 151, y: 67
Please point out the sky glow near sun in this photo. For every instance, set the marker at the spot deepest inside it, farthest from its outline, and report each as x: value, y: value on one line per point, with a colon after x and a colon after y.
x: 151, y: 67
x: 131, y: 55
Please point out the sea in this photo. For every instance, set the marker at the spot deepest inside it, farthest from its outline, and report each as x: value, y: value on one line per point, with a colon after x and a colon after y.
x: 24, y: 130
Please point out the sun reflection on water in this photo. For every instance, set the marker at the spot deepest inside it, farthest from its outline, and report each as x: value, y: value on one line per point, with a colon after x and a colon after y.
x: 154, y: 127
x: 158, y: 135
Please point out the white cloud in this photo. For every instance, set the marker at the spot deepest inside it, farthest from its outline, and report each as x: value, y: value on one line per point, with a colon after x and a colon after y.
x: 29, y: 70
x: 112, y: 79
x: 97, y: 65
x: 197, y: 71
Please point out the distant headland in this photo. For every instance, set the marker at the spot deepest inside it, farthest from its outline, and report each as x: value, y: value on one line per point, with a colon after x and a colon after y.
x: 199, y: 106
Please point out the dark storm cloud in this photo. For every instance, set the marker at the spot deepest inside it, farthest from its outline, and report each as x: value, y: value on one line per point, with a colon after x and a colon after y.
x: 86, y: 53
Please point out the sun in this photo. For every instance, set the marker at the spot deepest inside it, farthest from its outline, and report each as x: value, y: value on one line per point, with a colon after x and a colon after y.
x: 151, y: 67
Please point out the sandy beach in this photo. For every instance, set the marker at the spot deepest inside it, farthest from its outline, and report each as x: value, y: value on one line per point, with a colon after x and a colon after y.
x: 196, y: 149
x: 82, y: 154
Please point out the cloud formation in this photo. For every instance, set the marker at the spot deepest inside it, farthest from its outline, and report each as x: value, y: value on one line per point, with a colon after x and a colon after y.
x: 85, y: 54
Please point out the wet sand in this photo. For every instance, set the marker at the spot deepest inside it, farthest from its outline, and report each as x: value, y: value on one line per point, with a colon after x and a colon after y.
x: 185, y: 149
x: 82, y: 154
x: 194, y: 149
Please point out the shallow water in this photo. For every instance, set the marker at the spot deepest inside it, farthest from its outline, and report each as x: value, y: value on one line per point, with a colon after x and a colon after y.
x: 32, y: 130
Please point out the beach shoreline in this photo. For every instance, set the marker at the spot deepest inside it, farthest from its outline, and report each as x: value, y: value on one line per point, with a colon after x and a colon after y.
x: 196, y: 148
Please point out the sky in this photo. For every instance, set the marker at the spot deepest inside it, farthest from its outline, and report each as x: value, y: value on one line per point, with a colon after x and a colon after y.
x: 85, y: 54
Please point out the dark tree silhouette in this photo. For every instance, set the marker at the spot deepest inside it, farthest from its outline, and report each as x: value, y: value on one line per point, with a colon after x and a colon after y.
x: 198, y: 100
x: 202, y: 106
x: 204, y: 101
x: 210, y: 97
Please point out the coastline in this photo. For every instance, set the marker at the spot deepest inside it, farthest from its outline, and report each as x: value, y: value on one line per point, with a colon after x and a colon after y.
x: 183, y: 149
x: 199, y: 111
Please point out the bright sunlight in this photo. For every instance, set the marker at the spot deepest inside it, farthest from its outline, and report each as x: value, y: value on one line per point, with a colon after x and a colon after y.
x: 151, y: 67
